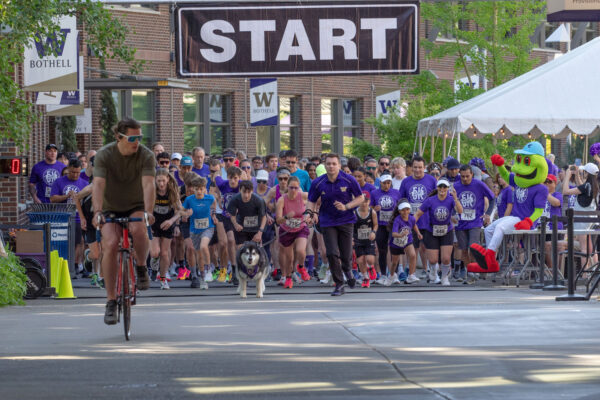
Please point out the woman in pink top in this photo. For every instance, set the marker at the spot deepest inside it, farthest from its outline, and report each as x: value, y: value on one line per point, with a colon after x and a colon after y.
x: 293, y: 231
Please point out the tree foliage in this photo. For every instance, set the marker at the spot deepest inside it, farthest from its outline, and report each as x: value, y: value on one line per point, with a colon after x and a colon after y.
x: 22, y: 20
x: 66, y: 125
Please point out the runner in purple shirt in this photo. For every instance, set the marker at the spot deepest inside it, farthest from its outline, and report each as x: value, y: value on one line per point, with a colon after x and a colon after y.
x: 43, y: 175
x: 505, y: 199
x: 401, y: 242
x: 360, y: 174
x: 340, y: 194
x: 200, y: 167
x: 438, y: 236
x: 471, y: 194
x: 384, y: 201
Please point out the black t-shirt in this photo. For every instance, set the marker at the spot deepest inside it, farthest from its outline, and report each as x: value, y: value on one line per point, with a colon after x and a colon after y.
x: 585, y: 198
x: 249, y: 214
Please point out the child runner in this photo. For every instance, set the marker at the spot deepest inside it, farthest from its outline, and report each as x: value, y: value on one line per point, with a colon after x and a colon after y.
x: 201, y: 209
x: 401, y: 241
x: 365, y: 230
x: 166, y: 212
x: 438, y: 235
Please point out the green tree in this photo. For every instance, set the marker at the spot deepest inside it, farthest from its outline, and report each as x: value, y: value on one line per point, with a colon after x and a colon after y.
x: 66, y: 125
x: 22, y: 20
x: 108, y: 111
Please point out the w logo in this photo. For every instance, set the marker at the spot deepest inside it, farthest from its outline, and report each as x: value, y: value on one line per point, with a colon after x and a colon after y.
x: 387, y: 104
x: 53, y: 43
x: 263, y: 99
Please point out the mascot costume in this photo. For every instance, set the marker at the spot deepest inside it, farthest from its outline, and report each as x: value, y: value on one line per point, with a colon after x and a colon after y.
x: 527, y: 176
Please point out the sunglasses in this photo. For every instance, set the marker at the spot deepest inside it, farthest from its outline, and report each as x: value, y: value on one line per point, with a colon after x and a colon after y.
x: 246, y: 167
x: 164, y: 162
x: 261, y: 181
x: 290, y: 162
x: 294, y: 187
x: 283, y: 178
x: 132, y: 138
x: 384, y: 163
x: 228, y: 159
x: 371, y: 168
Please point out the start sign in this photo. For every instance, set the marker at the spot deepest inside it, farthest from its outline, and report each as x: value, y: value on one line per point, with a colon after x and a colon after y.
x: 306, y: 39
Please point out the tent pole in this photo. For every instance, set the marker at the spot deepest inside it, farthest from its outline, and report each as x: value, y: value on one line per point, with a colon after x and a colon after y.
x: 458, y: 147
x: 585, y: 150
x: 444, y: 148
x: 431, y: 156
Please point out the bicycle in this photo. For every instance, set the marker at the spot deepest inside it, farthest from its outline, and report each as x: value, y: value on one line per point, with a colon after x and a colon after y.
x: 126, y: 279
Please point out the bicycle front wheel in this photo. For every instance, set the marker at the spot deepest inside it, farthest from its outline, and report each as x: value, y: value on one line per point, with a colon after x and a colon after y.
x: 126, y: 294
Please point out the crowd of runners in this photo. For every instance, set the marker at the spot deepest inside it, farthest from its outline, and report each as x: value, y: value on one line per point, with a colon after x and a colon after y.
x: 342, y: 221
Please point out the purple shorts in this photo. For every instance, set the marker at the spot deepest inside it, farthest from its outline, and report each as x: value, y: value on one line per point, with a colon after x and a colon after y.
x: 287, y: 238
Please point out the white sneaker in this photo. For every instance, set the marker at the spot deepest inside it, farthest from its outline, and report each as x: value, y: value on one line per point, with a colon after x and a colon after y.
x: 445, y: 280
x: 155, y: 264
x: 173, y: 269
x: 412, y: 278
x: 381, y: 281
x: 208, y: 275
x: 395, y: 280
x: 389, y: 280
x: 296, y: 277
x: 327, y: 278
x: 203, y: 284
x: 164, y: 284
x: 423, y: 274
x: 282, y: 281
x: 433, y: 276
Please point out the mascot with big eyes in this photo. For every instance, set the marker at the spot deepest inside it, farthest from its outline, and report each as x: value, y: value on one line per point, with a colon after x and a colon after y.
x: 527, y: 177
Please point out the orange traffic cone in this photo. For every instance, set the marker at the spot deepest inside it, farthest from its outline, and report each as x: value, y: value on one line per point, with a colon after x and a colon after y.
x: 65, y: 290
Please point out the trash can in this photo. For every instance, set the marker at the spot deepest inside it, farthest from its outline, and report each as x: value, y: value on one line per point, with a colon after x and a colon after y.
x: 61, y: 228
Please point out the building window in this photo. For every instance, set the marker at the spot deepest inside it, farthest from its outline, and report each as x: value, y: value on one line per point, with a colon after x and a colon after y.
x: 193, y: 121
x: 272, y: 139
x: 339, y: 124
x: 220, y: 127
x: 139, y: 105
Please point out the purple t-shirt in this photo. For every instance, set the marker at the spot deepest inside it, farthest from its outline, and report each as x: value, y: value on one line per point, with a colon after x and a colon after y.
x: 505, y: 197
x: 64, y: 185
x: 416, y: 191
x: 368, y: 187
x: 204, y: 171
x: 528, y: 199
x: 344, y: 189
x: 471, y: 198
x: 439, y: 213
x: 272, y: 178
x: 227, y: 193
x: 388, y: 201
x: 43, y: 176
x: 572, y: 199
x: 550, y: 210
x: 398, y: 226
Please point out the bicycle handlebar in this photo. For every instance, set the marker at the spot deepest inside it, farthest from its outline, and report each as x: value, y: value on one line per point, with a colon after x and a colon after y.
x: 121, y: 221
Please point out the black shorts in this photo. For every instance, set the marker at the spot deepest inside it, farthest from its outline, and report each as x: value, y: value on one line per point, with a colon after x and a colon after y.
x: 397, y: 251
x: 78, y: 234
x: 435, y: 242
x: 162, y: 233
x: 214, y: 239
x: 89, y: 235
x: 243, y: 237
x: 362, y: 250
x: 122, y: 214
x: 227, y: 224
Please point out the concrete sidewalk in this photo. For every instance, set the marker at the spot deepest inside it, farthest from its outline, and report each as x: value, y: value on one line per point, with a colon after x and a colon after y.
x: 389, y: 343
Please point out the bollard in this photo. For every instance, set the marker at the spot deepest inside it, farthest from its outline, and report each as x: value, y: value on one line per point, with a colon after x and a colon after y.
x: 539, y: 283
x: 570, y: 296
x: 554, y: 285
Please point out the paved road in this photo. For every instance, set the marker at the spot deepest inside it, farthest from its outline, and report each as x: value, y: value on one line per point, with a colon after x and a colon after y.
x: 386, y: 343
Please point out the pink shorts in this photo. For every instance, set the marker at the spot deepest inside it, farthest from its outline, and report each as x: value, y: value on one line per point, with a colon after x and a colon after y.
x: 288, y: 238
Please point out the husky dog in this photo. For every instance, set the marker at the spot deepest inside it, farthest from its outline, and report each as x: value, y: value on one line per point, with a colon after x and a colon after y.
x: 252, y: 263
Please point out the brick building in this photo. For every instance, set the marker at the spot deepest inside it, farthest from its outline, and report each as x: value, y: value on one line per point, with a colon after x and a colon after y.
x: 315, y: 111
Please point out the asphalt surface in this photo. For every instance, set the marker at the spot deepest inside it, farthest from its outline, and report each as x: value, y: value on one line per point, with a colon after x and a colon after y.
x: 407, y: 342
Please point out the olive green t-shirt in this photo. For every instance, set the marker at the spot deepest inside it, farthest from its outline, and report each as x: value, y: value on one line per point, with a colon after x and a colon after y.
x: 123, y: 176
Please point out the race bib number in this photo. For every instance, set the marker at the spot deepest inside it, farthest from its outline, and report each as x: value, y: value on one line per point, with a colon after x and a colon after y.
x: 161, y: 209
x: 363, y: 233
x: 201, y: 223
x: 440, y: 230
x: 401, y: 241
x: 468, y: 215
x: 414, y: 207
x: 251, y: 222
x: 48, y: 190
x: 385, y: 216
x: 293, y: 223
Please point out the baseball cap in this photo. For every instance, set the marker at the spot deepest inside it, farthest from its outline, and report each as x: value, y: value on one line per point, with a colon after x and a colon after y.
x: 186, y: 162
x: 590, y: 168
x: 452, y: 164
x: 443, y: 182
x: 367, y: 194
x: 551, y: 177
x: 532, y: 148
x: 176, y: 156
x: 385, y: 178
x: 51, y: 146
x: 229, y: 154
x: 262, y: 175
x: 403, y: 205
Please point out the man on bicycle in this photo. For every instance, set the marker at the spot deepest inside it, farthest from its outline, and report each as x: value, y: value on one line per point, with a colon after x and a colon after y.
x: 123, y: 186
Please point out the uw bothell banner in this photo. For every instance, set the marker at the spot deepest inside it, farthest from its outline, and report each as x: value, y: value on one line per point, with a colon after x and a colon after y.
x: 264, y: 103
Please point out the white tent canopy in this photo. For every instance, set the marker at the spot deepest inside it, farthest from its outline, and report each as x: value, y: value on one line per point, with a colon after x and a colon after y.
x: 557, y: 98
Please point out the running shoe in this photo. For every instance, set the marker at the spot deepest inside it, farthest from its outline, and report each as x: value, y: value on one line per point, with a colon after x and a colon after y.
x: 351, y: 283
x: 423, y: 273
x: 155, y: 263
x: 445, y: 280
x: 143, y: 280
x: 327, y: 278
x: 208, y: 276
x: 94, y: 281
x: 304, y: 273
x: 222, y: 275
x: 389, y: 280
x: 183, y: 273
x: 203, y: 284
x: 164, y: 284
x: 356, y: 274
x: 297, y: 278
x: 372, y: 274
x: 366, y: 283
x: 110, y: 314
x: 412, y: 278
x: 339, y: 290
x: 323, y: 271
x: 195, y: 282
x: 168, y: 276
x: 281, y: 281
x: 401, y: 277
x: 288, y: 283
x: 100, y: 283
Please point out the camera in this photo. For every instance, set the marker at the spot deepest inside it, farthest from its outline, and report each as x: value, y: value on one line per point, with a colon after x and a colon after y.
x: 573, y: 168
